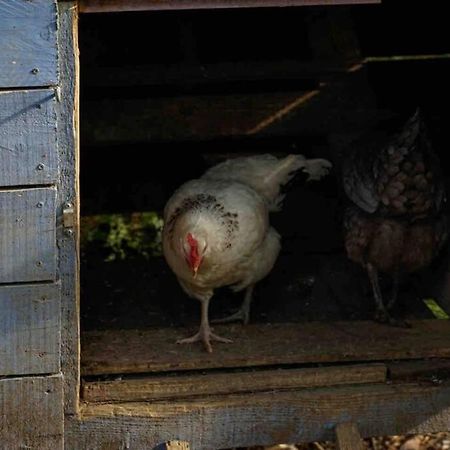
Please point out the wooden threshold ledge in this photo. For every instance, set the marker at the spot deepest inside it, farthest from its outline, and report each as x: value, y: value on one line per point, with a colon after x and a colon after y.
x: 257, y: 345
x: 189, y: 386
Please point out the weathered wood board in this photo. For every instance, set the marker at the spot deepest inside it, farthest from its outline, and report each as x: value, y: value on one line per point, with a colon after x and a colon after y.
x: 185, y: 386
x: 28, y: 154
x: 27, y: 238
x: 31, y: 413
x: 30, y: 330
x: 96, y: 6
x: 132, y: 351
x: 28, y: 54
x: 348, y: 437
x: 68, y: 191
x: 263, y: 419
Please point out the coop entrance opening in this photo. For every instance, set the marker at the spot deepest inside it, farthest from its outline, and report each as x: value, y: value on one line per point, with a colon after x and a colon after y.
x: 152, y: 119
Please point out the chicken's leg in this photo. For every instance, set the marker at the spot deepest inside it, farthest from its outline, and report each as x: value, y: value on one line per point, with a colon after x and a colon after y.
x: 381, y: 314
x: 205, y: 333
x: 243, y: 313
x: 395, y: 284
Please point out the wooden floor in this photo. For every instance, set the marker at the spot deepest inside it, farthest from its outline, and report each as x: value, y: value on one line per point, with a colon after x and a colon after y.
x: 155, y: 350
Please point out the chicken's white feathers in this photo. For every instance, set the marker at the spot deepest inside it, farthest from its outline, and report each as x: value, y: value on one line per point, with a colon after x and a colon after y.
x: 266, y: 174
x: 227, y: 211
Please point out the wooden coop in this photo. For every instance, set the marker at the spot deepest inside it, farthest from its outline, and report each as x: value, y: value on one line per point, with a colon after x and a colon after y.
x: 166, y: 88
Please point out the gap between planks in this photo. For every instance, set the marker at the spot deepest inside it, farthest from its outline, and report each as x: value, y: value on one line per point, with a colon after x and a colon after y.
x: 185, y: 386
x: 155, y: 350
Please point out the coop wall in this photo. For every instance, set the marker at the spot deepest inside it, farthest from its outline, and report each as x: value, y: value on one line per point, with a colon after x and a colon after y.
x: 31, y: 397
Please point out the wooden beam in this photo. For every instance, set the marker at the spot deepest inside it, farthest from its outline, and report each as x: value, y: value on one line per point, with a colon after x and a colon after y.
x: 68, y: 191
x: 155, y: 350
x: 184, y: 386
x: 102, y: 6
x: 348, y: 437
x: 263, y: 418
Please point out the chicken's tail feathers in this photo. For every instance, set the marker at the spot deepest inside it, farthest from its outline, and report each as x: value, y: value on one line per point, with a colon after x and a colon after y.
x: 286, y: 170
x: 266, y: 174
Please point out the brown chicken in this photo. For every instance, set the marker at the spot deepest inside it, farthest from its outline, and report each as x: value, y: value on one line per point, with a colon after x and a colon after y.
x: 396, y: 223
x: 217, y: 230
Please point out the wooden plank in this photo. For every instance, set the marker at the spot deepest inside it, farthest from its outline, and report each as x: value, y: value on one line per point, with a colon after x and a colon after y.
x: 263, y: 419
x: 28, y: 43
x: 426, y: 370
x: 31, y: 414
x: 98, y: 6
x: 68, y: 191
x: 30, y: 329
x: 28, y: 153
x: 173, y: 387
x: 348, y: 437
x: 28, y: 237
x: 132, y: 351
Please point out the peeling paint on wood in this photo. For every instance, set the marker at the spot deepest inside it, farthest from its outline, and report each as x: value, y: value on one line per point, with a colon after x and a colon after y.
x: 30, y: 330
x: 28, y: 54
x: 28, y: 154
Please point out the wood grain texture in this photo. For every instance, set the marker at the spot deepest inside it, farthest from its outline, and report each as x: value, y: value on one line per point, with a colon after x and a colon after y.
x: 28, y: 154
x: 28, y: 55
x: 173, y: 445
x: 131, y: 351
x: 96, y: 6
x: 263, y: 419
x: 185, y: 386
x: 68, y: 191
x: 31, y: 414
x: 30, y: 330
x: 28, y: 237
x: 348, y: 437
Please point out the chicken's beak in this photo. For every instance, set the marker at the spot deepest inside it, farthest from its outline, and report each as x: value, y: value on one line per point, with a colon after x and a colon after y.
x: 194, y: 272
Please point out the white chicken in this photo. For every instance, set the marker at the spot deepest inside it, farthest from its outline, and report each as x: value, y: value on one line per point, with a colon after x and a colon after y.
x: 217, y: 232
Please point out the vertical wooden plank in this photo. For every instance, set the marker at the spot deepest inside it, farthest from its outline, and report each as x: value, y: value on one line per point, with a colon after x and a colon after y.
x: 28, y: 235
x: 31, y: 414
x: 30, y: 330
x: 68, y: 139
x: 348, y: 437
x: 28, y: 43
x: 28, y: 137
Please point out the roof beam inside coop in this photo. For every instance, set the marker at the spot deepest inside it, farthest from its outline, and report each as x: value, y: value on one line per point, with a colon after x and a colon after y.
x: 99, y: 6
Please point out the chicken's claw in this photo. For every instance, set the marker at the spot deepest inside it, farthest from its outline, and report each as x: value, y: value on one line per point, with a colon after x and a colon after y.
x: 205, y: 335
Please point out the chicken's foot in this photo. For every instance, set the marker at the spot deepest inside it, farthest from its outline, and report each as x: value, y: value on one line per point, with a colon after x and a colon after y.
x: 243, y: 313
x: 204, y: 333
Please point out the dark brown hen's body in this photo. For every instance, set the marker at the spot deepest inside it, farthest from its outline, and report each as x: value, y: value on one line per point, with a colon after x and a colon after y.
x: 396, y: 222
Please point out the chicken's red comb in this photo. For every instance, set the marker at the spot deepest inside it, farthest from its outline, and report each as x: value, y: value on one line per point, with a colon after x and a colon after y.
x: 191, y: 240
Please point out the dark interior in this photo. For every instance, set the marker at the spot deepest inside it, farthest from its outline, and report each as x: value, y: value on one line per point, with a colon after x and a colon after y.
x: 164, y: 95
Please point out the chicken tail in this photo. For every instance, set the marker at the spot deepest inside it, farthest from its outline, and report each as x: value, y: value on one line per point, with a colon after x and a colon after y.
x: 266, y: 174
x: 285, y: 171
